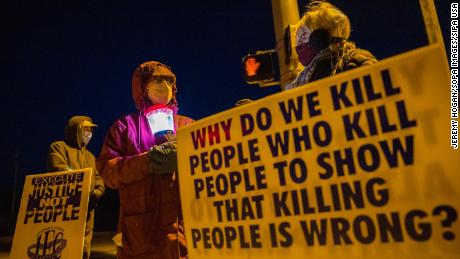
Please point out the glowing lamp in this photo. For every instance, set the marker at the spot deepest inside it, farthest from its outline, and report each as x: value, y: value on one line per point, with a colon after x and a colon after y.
x: 161, y: 122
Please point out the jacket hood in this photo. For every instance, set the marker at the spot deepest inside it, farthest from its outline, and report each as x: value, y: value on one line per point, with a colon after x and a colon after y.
x: 73, y: 131
x: 142, y: 73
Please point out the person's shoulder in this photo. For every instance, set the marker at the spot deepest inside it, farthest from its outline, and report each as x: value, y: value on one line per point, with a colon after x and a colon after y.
x: 58, y: 147
x: 124, y: 119
x: 90, y: 154
x: 360, y: 57
x: 59, y: 143
x: 183, y: 117
x: 184, y: 120
x: 123, y: 122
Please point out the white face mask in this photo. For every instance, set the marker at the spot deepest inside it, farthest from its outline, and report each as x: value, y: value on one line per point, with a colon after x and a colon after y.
x: 159, y: 92
x: 86, y: 137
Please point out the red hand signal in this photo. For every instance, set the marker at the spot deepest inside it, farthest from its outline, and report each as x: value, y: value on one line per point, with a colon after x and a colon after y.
x: 251, y: 66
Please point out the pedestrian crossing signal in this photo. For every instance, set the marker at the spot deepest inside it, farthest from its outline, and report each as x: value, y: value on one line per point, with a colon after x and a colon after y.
x: 259, y: 67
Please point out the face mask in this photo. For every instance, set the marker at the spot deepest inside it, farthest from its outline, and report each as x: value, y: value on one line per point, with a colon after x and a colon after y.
x: 86, y: 137
x: 306, y: 53
x: 310, y: 43
x: 159, y: 92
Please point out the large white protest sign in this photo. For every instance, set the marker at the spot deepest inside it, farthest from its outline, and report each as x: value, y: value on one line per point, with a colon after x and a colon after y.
x: 354, y: 166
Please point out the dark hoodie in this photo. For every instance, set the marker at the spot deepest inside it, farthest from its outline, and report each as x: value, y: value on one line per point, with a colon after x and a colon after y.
x: 149, y: 203
x: 71, y: 154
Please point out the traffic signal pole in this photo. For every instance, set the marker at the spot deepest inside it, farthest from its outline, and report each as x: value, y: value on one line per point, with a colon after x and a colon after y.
x: 432, y: 27
x: 284, y: 12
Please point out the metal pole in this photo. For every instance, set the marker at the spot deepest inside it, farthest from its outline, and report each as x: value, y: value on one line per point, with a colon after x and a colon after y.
x: 284, y: 12
x: 430, y: 18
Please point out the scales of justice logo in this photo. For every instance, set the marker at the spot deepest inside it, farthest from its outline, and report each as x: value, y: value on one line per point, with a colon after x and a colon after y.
x: 48, y: 244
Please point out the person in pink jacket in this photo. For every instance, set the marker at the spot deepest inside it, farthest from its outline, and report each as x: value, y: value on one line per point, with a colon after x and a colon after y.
x: 142, y: 165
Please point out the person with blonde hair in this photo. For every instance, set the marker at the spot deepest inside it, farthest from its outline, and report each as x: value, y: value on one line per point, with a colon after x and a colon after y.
x: 322, y: 44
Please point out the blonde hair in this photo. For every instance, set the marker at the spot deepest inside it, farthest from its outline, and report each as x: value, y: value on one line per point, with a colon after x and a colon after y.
x: 324, y: 15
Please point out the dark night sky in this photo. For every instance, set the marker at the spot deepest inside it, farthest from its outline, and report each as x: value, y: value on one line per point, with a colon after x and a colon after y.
x: 62, y: 58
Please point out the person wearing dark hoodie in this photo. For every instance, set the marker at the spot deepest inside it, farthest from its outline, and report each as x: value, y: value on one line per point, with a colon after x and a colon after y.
x: 322, y: 44
x: 142, y: 165
x: 72, y: 154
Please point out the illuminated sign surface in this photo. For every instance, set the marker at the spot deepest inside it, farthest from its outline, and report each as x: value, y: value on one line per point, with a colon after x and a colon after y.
x: 259, y: 68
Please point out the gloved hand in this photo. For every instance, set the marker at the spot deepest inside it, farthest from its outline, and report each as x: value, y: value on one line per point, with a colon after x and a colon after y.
x: 163, y: 158
x: 176, y: 232
x: 165, y: 137
x: 92, y: 203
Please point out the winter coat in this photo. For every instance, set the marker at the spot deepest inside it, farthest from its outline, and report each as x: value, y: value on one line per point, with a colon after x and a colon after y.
x: 149, y: 203
x: 331, y: 64
x: 71, y: 154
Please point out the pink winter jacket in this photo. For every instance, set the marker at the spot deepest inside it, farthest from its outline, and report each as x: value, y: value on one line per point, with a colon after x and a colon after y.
x: 149, y: 203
